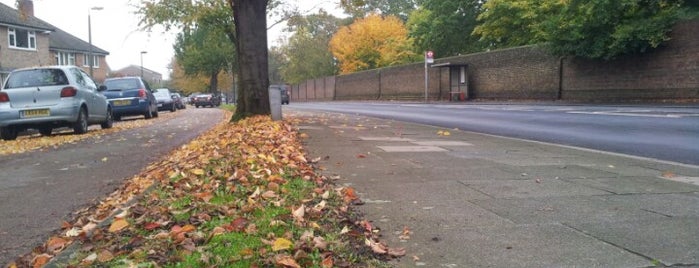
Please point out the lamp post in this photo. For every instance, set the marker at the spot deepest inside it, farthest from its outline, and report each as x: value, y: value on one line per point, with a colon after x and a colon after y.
x: 142, y: 52
x: 91, y: 56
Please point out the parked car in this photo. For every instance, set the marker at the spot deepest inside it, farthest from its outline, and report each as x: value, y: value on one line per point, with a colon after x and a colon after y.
x: 164, y: 98
x: 45, y: 98
x: 130, y: 96
x: 206, y: 100
x: 180, y: 102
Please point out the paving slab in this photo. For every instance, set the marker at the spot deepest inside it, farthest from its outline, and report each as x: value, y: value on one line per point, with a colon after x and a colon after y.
x: 633, y: 185
x: 602, y: 210
x: 418, y: 191
x: 550, y: 245
x: 531, y: 188
x: 655, y: 239
x: 563, y: 171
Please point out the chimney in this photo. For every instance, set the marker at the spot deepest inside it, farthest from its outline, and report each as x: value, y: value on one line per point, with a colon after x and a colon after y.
x: 26, y: 8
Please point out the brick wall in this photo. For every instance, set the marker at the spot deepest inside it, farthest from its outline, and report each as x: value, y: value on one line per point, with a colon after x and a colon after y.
x: 667, y: 73
x: 11, y: 58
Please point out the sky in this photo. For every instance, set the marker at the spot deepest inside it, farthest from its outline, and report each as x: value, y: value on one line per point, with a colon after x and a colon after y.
x: 115, y: 29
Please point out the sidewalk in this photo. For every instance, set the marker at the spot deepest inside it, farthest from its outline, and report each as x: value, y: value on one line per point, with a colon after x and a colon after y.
x: 472, y: 200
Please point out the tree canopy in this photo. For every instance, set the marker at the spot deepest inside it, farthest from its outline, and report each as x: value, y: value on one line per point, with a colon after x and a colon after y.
x: 444, y: 26
x: 372, y: 42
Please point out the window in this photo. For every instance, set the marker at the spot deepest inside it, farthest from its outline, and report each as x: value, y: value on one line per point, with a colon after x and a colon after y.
x: 19, y: 38
x: 65, y: 58
x: 95, y: 60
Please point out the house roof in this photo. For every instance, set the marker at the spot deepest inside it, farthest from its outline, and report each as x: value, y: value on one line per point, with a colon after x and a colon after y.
x: 58, y: 39
x: 11, y: 17
x: 61, y: 40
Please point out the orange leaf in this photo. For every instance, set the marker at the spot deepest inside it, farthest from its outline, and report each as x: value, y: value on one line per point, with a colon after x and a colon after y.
x: 327, y: 262
x: 118, y: 225
x: 206, y: 196
x: 151, y: 226
x: 56, y: 244
x: 105, y: 256
x: 41, y: 260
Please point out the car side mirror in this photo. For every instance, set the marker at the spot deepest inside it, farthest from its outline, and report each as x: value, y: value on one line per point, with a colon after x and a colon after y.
x: 102, y: 88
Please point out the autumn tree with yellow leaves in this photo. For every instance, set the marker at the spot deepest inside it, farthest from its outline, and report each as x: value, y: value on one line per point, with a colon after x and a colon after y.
x: 372, y: 42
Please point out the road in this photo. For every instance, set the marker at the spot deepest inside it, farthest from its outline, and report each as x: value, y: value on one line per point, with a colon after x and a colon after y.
x: 39, y: 190
x: 669, y: 133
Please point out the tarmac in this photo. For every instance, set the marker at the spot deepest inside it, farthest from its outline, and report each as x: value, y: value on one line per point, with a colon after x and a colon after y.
x: 460, y: 199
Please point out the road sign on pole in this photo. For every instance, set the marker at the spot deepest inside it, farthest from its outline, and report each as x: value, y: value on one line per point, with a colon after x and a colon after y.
x: 429, y: 59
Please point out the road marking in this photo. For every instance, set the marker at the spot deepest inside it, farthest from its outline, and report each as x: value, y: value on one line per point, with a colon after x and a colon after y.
x: 405, y: 149
x: 384, y: 139
x: 441, y: 143
x: 633, y: 114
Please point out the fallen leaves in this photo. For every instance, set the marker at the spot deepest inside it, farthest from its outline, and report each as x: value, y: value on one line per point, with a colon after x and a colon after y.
x: 215, y: 189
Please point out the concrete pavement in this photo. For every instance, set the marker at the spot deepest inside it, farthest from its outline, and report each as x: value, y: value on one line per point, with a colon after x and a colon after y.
x: 473, y: 200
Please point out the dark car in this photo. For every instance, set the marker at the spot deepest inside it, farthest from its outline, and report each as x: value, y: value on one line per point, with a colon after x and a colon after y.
x: 164, y: 98
x: 180, y: 102
x: 45, y: 98
x: 130, y: 96
x: 206, y: 100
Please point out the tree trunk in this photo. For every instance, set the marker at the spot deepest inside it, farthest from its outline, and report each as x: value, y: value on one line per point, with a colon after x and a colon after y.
x: 213, y: 83
x: 251, y: 44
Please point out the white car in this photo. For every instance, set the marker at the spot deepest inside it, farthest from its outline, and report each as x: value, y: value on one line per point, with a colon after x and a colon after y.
x: 45, y: 98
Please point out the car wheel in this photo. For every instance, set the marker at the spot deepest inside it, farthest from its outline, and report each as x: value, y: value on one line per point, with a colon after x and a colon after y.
x: 110, y: 120
x: 80, y: 126
x: 197, y: 106
x: 173, y: 108
x: 117, y: 118
x: 148, y: 114
x: 45, y: 131
x: 8, y: 133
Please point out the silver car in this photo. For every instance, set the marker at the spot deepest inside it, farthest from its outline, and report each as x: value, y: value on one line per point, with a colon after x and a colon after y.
x: 44, y: 98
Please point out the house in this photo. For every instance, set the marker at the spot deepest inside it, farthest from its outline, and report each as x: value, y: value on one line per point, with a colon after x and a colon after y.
x: 27, y: 41
x: 154, y: 78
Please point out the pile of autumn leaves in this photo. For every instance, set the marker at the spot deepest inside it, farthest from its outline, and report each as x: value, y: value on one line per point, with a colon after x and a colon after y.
x: 248, y: 181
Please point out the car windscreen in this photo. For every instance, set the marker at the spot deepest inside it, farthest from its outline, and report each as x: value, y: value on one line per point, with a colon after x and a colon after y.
x: 36, y: 78
x: 122, y: 84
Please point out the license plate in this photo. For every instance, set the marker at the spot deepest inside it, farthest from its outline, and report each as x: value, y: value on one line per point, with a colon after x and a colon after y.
x: 35, y: 113
x: 122, y: 102
x: 160, y: 105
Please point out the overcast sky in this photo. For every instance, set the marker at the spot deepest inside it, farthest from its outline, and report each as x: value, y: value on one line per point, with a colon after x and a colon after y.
x: 115, y: 29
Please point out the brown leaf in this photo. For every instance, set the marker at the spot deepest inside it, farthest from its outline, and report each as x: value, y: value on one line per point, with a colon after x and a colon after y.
x: 396, y: 252
x: 105, y: 256
x: 150, y: 226
x: 239, y: 224
x: 286, y: 261
x: 56, y: 244
x: 299, y: 213
x: 327, y: 262
x: 41, y: 260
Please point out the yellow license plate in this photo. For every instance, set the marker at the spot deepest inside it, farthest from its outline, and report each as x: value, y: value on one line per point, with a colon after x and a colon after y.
x: 122, y: 102
x: 35, y: 113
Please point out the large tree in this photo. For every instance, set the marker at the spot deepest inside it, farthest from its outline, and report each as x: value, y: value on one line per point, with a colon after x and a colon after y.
x: 251, y: 43
x: 247, y: 30
x: 362, y: 8
x: 372, y: 42
x: 605, y: 29
x: 307, y: 52
x: 205, y: 50
x: 509, y: 23
x: 445, y: 26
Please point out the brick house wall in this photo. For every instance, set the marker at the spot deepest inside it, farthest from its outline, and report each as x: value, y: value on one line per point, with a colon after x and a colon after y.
x: 12, y: 58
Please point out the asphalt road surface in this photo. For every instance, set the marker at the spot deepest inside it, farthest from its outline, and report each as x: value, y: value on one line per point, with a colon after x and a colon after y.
x: 39, y: 190
x: 669, y: 133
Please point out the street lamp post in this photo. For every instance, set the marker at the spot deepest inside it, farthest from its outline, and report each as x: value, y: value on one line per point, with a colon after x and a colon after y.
x: 91, y: 56
x: 142, y: 52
